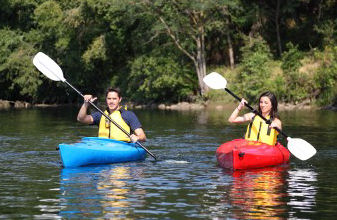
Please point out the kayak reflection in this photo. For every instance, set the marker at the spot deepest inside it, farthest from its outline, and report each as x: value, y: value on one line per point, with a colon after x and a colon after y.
x: 93, y: 191
x: 259, y: 193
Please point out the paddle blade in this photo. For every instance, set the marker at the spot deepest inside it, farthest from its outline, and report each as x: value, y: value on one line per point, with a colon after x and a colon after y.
x: 48, y: 67
x: 215, y: 81
x: 300, y: 148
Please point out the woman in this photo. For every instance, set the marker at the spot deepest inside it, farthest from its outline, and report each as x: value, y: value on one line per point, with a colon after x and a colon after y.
x: 258, y: 129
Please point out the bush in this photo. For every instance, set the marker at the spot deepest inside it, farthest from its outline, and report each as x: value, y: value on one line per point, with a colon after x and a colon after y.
x: 254, y: 76
x: 326, y: 78
x: 298, y: 86
x: 19, y: 79
x: 159, y: 79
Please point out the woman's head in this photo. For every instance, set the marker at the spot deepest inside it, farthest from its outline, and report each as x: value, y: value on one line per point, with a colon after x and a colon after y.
x: 268, y: 103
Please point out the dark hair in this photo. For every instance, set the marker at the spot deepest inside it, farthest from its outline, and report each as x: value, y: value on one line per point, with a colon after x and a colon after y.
x: 273, y: 100
x: 116, y: 90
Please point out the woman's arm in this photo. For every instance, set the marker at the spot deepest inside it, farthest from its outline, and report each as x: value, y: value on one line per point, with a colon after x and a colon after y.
x: 235, y: 118
x: 276, y: 123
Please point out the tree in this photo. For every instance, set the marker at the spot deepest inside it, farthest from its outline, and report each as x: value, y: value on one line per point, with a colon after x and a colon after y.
x: 19, y: 79
x: 159, y: 79
x: 186, y: 22
x: 254, y: 76
x: 224, y: 33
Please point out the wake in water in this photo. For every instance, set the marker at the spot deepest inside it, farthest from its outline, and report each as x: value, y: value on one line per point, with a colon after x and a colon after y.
x: 175, y: 161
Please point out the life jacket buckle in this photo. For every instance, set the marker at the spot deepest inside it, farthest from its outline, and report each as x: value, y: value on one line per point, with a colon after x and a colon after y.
x: 107, y: 123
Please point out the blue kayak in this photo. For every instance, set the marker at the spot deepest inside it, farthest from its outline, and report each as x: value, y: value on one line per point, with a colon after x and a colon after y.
x: 94, y: 150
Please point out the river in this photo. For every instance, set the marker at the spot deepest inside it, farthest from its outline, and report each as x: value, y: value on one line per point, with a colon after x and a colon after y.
x: 185, y: 183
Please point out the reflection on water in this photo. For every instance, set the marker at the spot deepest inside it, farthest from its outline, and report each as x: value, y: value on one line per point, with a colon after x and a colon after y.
x: 302, y: 190
x: 271, y: 193
x: 116, y: 192
x: 114, y: 189
x: 259, y: 194
x: 123, y: 191
x: 104, y: 190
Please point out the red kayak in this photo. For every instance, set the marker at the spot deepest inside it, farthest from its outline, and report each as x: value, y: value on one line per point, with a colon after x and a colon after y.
x: 242, y: 154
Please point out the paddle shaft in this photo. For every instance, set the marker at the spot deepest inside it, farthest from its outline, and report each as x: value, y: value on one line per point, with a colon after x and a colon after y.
x: 112, y: 121
x: 256, y: 112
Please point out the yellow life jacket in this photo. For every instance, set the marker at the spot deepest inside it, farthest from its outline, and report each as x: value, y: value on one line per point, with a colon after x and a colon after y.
x: 258, y: 130
x: 108, y: 130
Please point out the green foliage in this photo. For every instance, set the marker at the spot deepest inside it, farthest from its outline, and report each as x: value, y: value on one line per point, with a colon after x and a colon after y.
x: 25, y: 77
x: 19, y: 77
x: 9, y: 41
x: 326, y: 77
x: 158, y: 79
x: 49, y: 15
x: 17, y: 13
x: 291, y: 59
x: 254, y: 76
x: 298, y: 84
x: 279, y: 88
x: 96, y: 51
x: 50, y: 20
x: 97, y: 42
x: 328, y: 30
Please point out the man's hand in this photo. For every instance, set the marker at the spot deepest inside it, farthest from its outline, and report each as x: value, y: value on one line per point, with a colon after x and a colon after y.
x: 134, y: 138
x: 88, y: 98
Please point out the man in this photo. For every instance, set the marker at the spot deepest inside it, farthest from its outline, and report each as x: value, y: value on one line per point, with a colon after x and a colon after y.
x: 119, y: 114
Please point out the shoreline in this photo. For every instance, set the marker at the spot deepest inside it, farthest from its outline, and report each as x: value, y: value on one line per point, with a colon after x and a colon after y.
x: 5, y: 104
x: 185, y: 106
x: 181, y: 106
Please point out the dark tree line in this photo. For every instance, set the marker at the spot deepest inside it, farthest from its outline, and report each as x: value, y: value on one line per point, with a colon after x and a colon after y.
x: 159, y: 51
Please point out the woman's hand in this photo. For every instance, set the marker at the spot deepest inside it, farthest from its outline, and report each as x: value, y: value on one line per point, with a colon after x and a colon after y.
x: 242, y: 104
x: 276, y: 123
x: 235, y: 118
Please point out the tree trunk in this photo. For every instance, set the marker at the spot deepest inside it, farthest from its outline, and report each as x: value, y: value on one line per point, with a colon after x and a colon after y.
x: 229, y: 39
x: 230, y: 51
x: 277, y: 15
x: 198, y: 56
x: 200, y: 62
x: 255, y: 29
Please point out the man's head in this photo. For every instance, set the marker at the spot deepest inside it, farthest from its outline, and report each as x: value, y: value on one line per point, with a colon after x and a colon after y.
x: 113, y: 98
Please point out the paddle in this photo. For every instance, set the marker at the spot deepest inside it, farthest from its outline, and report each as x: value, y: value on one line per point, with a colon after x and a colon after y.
x: 50, y: 69
x: 298, y: 147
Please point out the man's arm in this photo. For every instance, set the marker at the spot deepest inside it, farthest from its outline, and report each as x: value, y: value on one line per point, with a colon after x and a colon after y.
x: 138, y: 135
x: 131, y: 119
x: 82, y: 115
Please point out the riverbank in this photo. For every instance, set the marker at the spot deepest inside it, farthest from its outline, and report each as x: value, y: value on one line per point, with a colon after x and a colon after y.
x: 185, y: 106
x: 181, y: 106
x: 4, y: 104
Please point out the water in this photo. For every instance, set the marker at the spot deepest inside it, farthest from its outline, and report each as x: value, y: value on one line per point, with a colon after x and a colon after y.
x: 185, y: 183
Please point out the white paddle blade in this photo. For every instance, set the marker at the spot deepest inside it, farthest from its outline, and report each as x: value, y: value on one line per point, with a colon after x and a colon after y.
x: 300, y: 148
x: 215, y: 81
x: 48, y: 67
